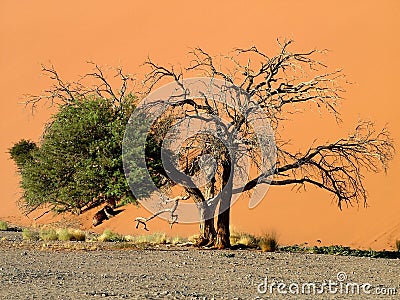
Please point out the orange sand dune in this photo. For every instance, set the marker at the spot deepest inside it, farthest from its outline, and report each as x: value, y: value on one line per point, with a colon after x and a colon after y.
x: 361, y: 37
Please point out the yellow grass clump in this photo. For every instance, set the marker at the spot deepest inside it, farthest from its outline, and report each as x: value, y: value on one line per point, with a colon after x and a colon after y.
x: 71, y: 235
x: 48, y: 234
x: 398, y: 245
x: 242, y: 238
x: 3, y: 226
x: 110, y: 236
x: 268, y: 242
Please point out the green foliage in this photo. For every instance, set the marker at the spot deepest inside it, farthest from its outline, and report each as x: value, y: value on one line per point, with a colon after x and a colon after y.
x: 79, y: 160
x: 22, y: 152
x: 3, y: 225
x: 136, y: 136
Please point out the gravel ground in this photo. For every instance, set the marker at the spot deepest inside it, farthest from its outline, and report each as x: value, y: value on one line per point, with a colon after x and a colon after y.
x: 62, y: 271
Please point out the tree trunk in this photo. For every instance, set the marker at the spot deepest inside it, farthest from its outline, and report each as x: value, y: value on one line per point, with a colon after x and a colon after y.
x: 223, y: 232
x: 207, y: 229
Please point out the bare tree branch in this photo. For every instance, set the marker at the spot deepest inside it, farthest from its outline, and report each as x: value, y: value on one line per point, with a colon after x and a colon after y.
x: 64, y: 93
x: 171, y: 211
x: 281, y: 84
x: 337, y: 167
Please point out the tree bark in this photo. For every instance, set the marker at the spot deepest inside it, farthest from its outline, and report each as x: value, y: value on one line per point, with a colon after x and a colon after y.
x: 207, y: 229
x: 206, y: 214
x: 223, y: 221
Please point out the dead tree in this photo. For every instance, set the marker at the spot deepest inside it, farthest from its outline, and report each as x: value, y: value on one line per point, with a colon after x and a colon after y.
x: 280, y: 84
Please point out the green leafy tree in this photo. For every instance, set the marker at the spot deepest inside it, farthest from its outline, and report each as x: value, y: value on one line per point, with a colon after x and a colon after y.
x: 78, y: 163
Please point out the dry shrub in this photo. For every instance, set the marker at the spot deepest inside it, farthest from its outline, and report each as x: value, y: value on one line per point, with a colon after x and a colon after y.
x: 78, y: 235
x: 3, y: 226
x: 178, y: 240
x: 193, y: 238
x: 63, y: 235
x: 155, y: 238
x: 268, y: 242
x: 109, y: 236
x: 71, y: 235
x: 48, y: 235
x: 30, y: 235
x: 243, y: 238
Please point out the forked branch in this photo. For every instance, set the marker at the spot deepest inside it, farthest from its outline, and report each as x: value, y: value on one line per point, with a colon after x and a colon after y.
x: 173, y: 216
x: 65, y: 93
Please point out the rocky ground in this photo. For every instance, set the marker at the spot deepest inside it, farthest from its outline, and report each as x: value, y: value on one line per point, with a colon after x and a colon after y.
x: 74, y: 270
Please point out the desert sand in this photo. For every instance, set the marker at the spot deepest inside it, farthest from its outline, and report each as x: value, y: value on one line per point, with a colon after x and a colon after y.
x: 361, y: 37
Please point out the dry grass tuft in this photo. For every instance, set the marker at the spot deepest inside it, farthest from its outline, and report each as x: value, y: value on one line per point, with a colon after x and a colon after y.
x: 78, y: 235
x: 71, y: 235
x: 193, y: 238
x: 63, y: 235
x: 242, y: 238
x: 398, y: 245
x: 155, y: 238
x: 51, y: 234
x: 268, y: 242
x: 3, y: 226
x: 178, y: 240
x: 48, y: 235
x: 109, y: 236
x: 29, y: 235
